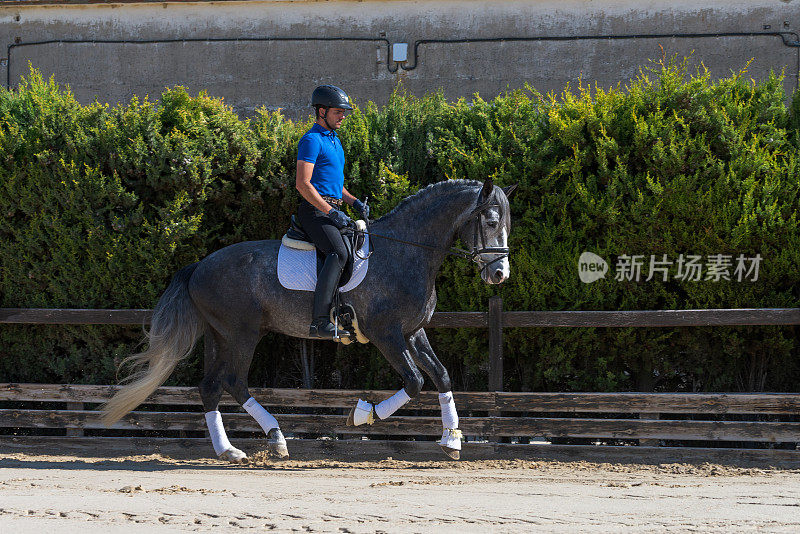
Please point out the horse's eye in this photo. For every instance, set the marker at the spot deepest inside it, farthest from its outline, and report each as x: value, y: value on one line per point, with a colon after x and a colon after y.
x: 492, y: 224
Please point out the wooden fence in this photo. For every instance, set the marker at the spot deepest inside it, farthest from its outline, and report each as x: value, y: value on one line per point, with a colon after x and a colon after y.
x: 173, y: 415
x: 495, y: 320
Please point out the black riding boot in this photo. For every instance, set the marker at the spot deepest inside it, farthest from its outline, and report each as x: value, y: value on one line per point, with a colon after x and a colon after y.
x: 327, y: 283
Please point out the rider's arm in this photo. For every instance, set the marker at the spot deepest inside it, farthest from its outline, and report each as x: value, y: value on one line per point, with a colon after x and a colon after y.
x: 306, y: 190
x: 347, y: 197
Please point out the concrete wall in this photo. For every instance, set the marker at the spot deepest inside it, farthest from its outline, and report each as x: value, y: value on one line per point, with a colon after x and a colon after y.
x: 281, y: 74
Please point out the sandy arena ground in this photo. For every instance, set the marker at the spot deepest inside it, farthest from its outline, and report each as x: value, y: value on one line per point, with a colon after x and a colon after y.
x: 156, y: 494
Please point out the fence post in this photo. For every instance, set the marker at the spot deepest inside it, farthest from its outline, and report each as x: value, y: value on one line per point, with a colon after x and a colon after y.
x: 495, y: 344
x: 74, y: 432
x: 308, y: 373
x: 495, y: 321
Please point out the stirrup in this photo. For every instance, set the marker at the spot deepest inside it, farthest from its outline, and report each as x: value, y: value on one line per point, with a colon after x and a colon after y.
x: 319, y: 329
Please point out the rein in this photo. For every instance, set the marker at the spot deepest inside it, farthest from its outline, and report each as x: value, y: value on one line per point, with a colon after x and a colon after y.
x: 461, y: 253
x: 473, y: 255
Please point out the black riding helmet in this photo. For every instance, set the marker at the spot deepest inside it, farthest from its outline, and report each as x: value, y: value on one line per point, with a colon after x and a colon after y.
x: 330, y: 96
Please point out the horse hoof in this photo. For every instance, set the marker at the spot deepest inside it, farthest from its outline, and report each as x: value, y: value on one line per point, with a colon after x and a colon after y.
x: 233, y: 455
x: 276, y: 444
x: 455, y: 454
x: 278, y: 449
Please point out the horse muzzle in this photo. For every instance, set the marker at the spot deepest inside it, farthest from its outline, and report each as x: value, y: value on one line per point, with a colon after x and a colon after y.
x: 495, y: 271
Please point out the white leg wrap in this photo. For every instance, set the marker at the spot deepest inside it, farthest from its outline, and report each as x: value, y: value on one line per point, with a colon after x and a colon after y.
x: 362, y: 414
x: 218, y: 437
x: 449, y: 414
x: 387, y: 407
x: 451, y: 437
x: 262, y: 416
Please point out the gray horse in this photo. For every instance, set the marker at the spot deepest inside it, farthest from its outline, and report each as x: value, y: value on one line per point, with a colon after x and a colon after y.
x: 233, y: 297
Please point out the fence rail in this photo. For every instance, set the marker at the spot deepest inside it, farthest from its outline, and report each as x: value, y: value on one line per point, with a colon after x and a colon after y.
x: 549, y: 416
x: 631, y: 403
x: 508, y: 319
x: 495, y: 320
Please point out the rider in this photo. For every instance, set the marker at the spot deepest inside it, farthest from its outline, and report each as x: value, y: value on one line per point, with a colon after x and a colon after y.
x: 320, y: 182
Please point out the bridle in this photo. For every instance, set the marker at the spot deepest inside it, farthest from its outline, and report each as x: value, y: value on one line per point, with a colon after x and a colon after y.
x: 478, y: 249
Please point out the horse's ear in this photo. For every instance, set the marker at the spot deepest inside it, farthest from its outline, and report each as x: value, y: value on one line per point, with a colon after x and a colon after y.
x: 488, y: 187
x: 510, y: 190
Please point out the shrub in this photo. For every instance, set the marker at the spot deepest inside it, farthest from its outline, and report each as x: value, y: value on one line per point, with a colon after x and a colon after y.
x: 101, y: 205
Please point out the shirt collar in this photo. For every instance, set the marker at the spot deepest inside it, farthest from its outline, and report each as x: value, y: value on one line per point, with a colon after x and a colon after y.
x: 323, y: 131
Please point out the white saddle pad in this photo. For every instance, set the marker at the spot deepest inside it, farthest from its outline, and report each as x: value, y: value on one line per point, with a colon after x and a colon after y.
x: 297, y: 269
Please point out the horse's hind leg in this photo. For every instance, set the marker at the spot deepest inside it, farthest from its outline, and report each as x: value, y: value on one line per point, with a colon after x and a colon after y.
x: 210, y: 393
x: 424, y: 356
x: 237, y: 356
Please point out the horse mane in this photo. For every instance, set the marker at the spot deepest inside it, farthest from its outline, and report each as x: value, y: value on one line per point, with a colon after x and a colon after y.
x: 430, y: 191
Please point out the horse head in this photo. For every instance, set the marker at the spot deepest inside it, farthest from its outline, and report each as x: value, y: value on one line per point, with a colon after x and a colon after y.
x: 486, y: 232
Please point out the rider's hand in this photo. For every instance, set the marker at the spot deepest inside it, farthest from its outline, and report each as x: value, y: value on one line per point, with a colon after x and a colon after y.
x: 362, y: 208
x: 339, y: 218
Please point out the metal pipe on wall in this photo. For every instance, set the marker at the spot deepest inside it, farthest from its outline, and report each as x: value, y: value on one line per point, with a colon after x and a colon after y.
x: 190, y: 40
x: 784, y: 36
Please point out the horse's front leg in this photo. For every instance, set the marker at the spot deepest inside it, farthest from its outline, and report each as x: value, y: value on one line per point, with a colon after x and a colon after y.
x: 424, y: 356
x: 393, y: 347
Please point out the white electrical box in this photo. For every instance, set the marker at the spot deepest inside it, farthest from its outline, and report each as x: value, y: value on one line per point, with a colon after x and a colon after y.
x: 399, y: 52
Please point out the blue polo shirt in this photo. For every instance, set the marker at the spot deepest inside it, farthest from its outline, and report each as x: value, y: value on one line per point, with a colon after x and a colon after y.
x: 323, y: 148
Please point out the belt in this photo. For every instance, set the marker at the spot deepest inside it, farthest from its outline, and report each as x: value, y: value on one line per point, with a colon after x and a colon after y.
x: 335, y: 202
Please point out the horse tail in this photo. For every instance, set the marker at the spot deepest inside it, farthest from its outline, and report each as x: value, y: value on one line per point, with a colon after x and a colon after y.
x: 174, y: 330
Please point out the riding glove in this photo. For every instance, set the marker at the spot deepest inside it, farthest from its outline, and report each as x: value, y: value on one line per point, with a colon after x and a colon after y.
x: 339, y: 218
x: 362, y: 208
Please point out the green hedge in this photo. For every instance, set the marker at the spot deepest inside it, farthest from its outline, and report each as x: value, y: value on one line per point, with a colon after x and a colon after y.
x: 101, y: 205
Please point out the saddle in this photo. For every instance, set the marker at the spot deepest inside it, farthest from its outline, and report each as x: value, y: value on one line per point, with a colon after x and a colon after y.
x: 342, y: 313
x: 297, y: 238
